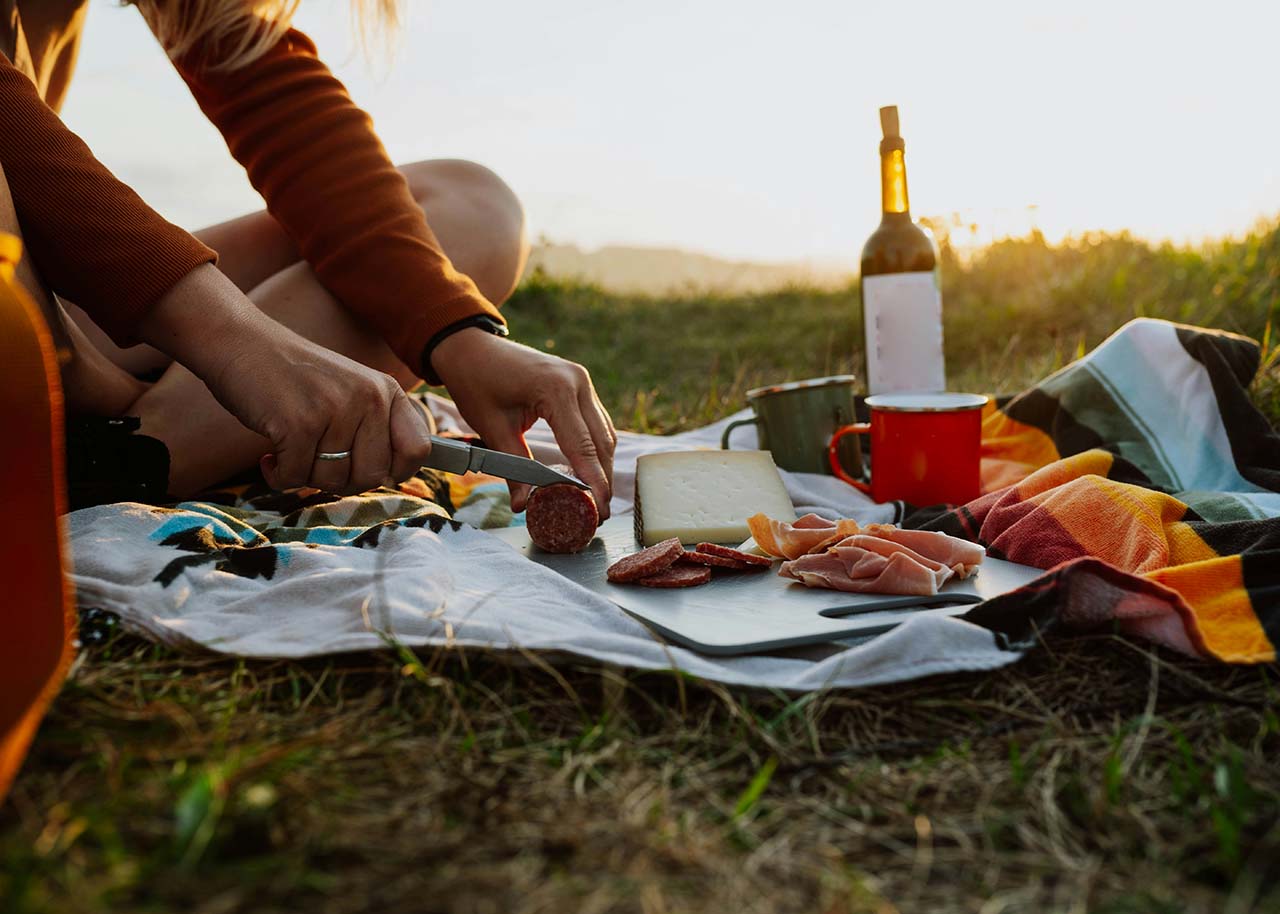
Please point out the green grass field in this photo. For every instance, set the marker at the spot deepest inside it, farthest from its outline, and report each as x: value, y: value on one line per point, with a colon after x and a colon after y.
x: 1096, y: 775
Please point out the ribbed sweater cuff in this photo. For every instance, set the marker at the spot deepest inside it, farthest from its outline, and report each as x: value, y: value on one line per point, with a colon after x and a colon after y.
x: 411, y: 342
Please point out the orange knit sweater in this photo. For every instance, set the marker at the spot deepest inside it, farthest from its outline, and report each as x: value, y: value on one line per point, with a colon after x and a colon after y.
x: 307, y: 148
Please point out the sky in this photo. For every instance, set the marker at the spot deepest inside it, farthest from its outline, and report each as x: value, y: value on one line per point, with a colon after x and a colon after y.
x: 749, y: 129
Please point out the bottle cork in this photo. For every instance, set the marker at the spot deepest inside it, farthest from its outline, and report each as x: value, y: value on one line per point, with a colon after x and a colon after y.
x: 889, y: 122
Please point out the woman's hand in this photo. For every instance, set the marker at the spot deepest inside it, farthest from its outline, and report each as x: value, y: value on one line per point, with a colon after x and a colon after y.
x: 308, y: 400
x: 501, y: 388
x: 303, y: 398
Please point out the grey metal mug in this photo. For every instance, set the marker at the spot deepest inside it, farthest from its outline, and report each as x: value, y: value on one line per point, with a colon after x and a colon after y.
x: 796, y: 421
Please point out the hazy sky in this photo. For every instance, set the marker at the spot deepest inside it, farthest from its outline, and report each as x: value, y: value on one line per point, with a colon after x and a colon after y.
x: 749, y: 129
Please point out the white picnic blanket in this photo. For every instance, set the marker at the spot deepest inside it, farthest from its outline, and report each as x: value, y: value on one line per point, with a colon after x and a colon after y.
x: 259, y: 585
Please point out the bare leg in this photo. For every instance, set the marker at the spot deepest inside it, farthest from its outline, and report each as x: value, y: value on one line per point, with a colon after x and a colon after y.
x: 476, y: 217
x: 482, y: 233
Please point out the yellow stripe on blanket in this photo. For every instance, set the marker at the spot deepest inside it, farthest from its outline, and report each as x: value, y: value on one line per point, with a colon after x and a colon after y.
x: 1186, y: 546
x: 1142, y: 531
x: 1223, y: 619
x: 1011, y: 451
x: 1087, y: 463
x: 1136, y: 529
x: 1145, y: 527
x: 460, y: 487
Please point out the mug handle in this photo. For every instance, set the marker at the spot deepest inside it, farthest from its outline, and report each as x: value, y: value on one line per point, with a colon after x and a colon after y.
x: 833, y: 454
x: 724, y: 439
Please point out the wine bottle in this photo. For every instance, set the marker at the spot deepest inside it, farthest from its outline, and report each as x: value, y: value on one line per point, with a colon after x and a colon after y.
x: 901, y: 296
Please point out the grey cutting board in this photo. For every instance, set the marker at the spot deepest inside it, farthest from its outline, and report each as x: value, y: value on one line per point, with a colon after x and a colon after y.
x: 749, y: 612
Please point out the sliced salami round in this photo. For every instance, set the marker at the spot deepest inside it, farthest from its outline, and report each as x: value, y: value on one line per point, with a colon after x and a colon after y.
x: 678, y: 576
x: 715, y: 561
x: 561, y: 518
x: 747, y: 558
x: 645, y: 562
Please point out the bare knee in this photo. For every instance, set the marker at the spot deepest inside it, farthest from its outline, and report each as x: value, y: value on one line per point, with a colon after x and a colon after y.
x: 436, y: 177
x: 477, y: 218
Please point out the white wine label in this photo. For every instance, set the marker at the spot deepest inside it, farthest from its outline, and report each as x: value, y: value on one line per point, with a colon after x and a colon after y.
x: 902, y: 318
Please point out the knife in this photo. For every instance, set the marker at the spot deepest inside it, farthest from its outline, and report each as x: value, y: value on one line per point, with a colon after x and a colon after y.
x: 454, y: 456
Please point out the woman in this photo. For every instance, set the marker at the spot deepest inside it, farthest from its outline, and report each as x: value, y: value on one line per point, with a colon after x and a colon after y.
x: 290, y: 333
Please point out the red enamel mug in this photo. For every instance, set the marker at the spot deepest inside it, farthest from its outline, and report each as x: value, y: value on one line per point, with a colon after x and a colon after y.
x: 925, y: 447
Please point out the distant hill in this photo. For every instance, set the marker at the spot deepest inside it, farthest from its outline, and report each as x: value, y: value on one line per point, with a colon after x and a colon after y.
x: 659, y: 271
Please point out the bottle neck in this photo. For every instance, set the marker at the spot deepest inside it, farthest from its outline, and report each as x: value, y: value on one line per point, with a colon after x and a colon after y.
x: 893, y: 184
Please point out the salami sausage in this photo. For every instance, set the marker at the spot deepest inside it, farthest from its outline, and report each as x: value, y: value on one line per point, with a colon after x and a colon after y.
x: 561, y: 518
x: 747, y: 558
x: 646, y: 562
x: 716, y: 561
x: 678, y: 576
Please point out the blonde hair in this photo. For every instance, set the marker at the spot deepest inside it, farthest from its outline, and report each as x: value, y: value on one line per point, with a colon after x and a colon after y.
x: 244, y: 30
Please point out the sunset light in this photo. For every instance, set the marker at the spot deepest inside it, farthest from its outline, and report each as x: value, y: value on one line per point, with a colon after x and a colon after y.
x: 749, y: 129
x: 700, y: 456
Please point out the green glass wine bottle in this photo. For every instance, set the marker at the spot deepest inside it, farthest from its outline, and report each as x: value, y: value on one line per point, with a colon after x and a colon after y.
x: 900, y: 291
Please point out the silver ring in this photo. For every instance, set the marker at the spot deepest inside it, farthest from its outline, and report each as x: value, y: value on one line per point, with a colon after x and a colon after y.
x: 333, y: 455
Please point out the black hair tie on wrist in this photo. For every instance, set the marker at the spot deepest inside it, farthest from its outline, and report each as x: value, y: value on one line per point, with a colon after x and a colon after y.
x: 480, y: 321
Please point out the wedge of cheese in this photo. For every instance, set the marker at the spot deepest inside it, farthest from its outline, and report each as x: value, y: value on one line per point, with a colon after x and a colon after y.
x: 706, y: 496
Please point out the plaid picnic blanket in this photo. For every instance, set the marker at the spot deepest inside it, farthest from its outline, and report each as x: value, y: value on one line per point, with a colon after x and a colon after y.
x: 1149, y: 484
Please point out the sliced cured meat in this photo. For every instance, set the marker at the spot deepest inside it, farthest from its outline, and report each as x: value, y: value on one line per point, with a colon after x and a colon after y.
x: 814, y: 522
x: 961, y: 556
x: 870, y: 564
x: 716, y: 561
x: 561, y: 518
x: 883, y: 546
x: 851, y: 548
x: 878, y: 558
x: 807, y: 534
x: 856, y: 570
x: 649, y: 561
x: 887, y: 559
x: 713, y: 561
x: 746, y: 558
x: 678, y: 576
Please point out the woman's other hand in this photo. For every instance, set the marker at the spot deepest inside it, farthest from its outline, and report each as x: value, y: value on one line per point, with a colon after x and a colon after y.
x: 303, y: 398
x: 308, y: 401
x: 502, y: 388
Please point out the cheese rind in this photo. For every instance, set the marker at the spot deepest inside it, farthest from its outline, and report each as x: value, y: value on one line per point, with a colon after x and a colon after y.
x: 706, y: 496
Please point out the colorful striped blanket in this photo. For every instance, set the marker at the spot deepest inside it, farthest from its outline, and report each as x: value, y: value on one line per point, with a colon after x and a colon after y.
x: 1144, y: 477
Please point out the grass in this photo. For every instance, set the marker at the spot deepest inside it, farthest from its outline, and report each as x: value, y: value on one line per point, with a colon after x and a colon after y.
x: 1098, y: 774
x: 1019, y: 310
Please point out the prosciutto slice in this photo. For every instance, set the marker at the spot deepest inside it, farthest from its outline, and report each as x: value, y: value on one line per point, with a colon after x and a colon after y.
x: 961, y: 556
x: 857, y: 570
x: 810, y: 533
x: 878, y: 558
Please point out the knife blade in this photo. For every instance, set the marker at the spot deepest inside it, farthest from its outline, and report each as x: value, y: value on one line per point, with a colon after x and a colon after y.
x: 455, y: 456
